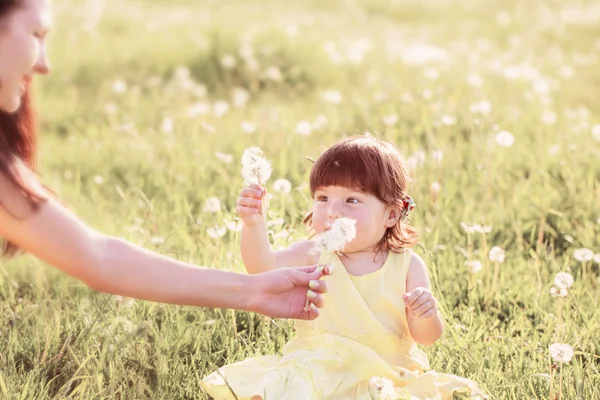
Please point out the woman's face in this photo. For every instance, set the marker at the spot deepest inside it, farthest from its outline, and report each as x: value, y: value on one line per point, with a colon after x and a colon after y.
x: 22, y: 49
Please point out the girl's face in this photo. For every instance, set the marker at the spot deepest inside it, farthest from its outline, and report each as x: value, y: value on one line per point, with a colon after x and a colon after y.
x: 22, y: 49
x: 372, y: 216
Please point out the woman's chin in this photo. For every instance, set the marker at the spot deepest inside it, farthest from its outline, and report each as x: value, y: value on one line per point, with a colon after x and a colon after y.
x: 11, y: 104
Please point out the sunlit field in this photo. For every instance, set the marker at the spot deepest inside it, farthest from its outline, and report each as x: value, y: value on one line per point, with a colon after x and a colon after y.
x: 150, y: 105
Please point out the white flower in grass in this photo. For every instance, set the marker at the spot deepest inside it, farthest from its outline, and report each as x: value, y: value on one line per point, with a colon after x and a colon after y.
x: 583, y: 255
x: 276, y: 222
x: 167, y: 125
x: 341, y: 232
x: 562, y: 353
x: 563, y: 280
x: 282, y: 186
x: 255, y: 168
x: 473, y: 266
x: 212, y: 205
x: 391, y: 119
x: 449, y: 120
x: 197, y: 109
x: 437, y: 156
x: 497, y: 254
x: 220, y: 108
x: 119, y: 86
x: 332, y: 96
x: 483, y: 107
x: 157, y: 240
x: 228, y: 61
x: 98, y: 180
x: 226, y: 158
x: 597, y: 258
x: 216, y: 232
x: 273, y: 73
x: 240, y: 97
x: 505, y: 138
x: 233, y: 226
x: 303, y: 128
x: 248, y: 127
x: 474, y: 80
x: 596, y: 132
x: 549, y: 117
x: 467, y: 228
x: 320, y: 121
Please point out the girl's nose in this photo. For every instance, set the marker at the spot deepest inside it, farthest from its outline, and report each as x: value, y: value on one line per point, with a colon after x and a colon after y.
x: 334, y: 212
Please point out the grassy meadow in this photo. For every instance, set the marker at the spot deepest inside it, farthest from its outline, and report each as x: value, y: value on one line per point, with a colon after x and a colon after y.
x: 150, y: 104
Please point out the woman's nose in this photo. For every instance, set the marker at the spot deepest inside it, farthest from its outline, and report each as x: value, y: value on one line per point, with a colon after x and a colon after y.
x: 42, y: 66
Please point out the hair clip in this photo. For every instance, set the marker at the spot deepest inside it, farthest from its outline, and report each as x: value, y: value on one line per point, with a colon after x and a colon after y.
x: 408, y: 204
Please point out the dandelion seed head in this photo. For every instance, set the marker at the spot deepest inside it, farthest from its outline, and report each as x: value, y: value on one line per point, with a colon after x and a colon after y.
x: 341, y: 232
x: 563, y: 280
x: 212, y: 205
x: 473, y: 266
x: 282, y: 186
x: 560, y: 352
x: 255, y: 168
x: 497, y: 254
x: 505, y: 139
x: 583, y: 255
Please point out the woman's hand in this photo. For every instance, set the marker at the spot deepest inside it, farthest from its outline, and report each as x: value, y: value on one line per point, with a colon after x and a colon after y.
x: 282, y: 293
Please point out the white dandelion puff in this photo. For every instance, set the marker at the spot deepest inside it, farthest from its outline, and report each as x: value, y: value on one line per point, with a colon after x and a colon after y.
x: 497, y: 254
x: 216, y: 232
x: 255, y: 168
x: 341, y: 232
x: 473, y: 266
x: 226, y: 158
x: 212, y: 205
x: 282, y: 186
x: 303, y: 128
x: 332, y: 96
x: 583, y: 255
x: 563, y: 280
x: 248, y: 127
x: 596, y: 132
x: 505, y: 138
x: 560, y: 352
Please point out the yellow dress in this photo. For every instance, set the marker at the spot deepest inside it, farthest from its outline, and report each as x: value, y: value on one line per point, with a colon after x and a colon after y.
x: 362, y: 333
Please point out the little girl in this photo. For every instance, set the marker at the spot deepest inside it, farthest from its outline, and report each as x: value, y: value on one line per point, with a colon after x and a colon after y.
x: 379, y: 306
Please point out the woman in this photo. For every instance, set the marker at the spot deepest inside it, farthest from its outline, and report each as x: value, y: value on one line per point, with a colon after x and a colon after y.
x: 35, y: 222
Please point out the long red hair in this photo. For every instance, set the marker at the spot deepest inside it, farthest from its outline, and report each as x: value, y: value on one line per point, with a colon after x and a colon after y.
x: 18, y: 148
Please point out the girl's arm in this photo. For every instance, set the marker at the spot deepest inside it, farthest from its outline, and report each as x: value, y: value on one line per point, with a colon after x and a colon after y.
x: 255, y: 247
x: 424, y: 321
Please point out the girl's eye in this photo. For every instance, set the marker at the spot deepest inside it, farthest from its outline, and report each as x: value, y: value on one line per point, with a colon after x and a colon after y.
x: 353, y: 200
x: 322, y: 198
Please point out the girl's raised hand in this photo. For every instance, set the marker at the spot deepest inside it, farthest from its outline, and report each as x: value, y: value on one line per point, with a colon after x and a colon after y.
x: 249, y: 204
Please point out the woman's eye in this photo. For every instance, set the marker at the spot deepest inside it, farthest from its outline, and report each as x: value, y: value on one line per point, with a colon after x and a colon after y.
x: 353, y: 200
x: 322, y: 198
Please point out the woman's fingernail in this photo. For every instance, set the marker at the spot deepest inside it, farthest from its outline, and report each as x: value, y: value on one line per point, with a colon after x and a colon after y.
x: 312, y: 305
x: 330, y: 268
x: 310, y: 294
x: 313, y: 284
x: 320, y: 269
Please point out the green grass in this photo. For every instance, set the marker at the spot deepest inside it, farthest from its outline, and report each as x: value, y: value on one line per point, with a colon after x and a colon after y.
x: 126, y: 176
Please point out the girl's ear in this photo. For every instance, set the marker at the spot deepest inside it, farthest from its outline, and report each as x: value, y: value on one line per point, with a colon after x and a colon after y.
x: 393, y: 216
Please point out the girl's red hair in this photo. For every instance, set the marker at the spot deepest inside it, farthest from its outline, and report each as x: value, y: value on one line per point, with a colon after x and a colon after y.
x: 372, y: 166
